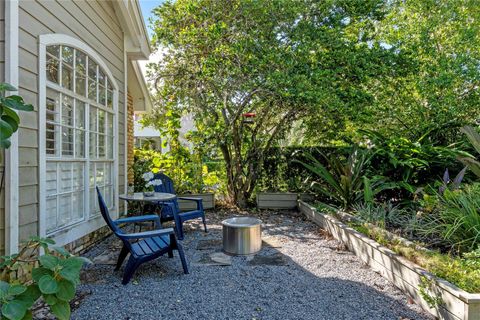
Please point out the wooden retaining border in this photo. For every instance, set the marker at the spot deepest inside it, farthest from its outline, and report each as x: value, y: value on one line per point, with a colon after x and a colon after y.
x: 208, y: 201
x: 281, y: 200
x: 455, y: 303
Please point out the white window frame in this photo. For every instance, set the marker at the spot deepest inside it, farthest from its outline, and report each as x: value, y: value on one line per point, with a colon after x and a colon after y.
x: 91, y: 221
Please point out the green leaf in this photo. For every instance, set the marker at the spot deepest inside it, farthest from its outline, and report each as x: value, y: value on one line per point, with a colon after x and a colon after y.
x: 50, y: 299
x: 30, y: 295
x: 9, y: 112
x: 37, y: 273
x: 71, y: 268
x: 48, y: 261
x: 7, y: 87
x: 28, y: 315
x: 66, y: 290
x: 62, y: 251
x: 16, y: 289
x: 61, y: 309
x: 5, y: 144
x: 16, y: 102
x: 4, y: 287
x: 14, y: 310
x: 48, y: 285
x: 11, y: 121
x: 6, y: 129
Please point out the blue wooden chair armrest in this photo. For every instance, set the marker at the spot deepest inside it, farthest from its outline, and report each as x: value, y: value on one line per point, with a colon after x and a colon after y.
x: 148, y: 234
x: 150, y: 217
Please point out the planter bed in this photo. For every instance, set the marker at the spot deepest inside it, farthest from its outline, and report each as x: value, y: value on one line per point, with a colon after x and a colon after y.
x: 208, y: 201
x: 454, y: 303
x: 277, y: 200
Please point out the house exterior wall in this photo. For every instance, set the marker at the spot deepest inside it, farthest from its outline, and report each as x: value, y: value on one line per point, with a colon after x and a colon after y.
x: 2, y: 79
x: 95, y: 24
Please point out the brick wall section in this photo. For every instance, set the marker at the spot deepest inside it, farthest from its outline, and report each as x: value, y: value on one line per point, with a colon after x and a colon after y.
x: 130, y: 137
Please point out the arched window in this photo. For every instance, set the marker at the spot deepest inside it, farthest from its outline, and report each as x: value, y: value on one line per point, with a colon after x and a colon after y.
x: 79, y: 110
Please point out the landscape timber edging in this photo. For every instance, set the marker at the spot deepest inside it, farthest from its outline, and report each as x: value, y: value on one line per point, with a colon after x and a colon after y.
x: 456, y: 304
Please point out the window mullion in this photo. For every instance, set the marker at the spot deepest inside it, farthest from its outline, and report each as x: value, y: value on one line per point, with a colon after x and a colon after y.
x: 87, y: 162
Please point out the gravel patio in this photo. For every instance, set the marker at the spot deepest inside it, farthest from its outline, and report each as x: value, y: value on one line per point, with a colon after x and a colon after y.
x: 301, y: 273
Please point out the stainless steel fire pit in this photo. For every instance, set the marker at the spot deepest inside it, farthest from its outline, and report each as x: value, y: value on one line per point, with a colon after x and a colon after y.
x: 242, y: 235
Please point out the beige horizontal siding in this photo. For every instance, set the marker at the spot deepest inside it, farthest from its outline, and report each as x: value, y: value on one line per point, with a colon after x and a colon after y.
x: 92, y: 22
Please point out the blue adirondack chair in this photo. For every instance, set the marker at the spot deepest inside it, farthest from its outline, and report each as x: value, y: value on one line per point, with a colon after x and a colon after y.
x: 172, y: 211
x: 142, y: 246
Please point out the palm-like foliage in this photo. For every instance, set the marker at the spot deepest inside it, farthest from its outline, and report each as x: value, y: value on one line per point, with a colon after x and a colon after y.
x: 474, y: 138
x: 340, y: 182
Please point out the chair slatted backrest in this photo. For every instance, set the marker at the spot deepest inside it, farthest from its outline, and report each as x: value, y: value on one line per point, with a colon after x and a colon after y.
x: 106, y: 215
x: 167, y: 187
x: 167, y: 183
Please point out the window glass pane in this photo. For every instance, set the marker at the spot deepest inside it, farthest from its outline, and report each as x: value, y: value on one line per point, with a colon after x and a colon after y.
x: 52, y: 131
x: 93, y: 145
x: 78, y: 176
x: 92, y: 69
x: 67, y: 141
x: 79, y: 143
x: 67, y: 55
x: 54, y: 51
x: 64, y: 209
x: 108, y: 174
x: 108, y: 196
x: 93, y: 119
x: 110, y: 124
x: 101, y: 121
x: 65, y: 176
x: 109, y: 98
x: 102, y: 95
x: 91, y: 175
x: 79, y: 114
x: 92, y: 81
x: 80, y: 62
x: 80, y: 84
x: 51, y: 178
x: 67, y: 76
x: 51, y: 209
x: 93, y: 202
x: 52, y: 69
x: 110, y: 147
x: 77, y: 206
x: 67, y: 111
x: 100, y: 176
x: 101, y: 146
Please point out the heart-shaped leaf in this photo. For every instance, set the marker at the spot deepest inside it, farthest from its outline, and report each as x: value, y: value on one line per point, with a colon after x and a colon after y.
x: 37, y: 273
x: 14, y: 310
x: 16, y: 289
x: 49, y: 261
x: 48, y: 285
x: 61, y: 309
x: 66, y: 290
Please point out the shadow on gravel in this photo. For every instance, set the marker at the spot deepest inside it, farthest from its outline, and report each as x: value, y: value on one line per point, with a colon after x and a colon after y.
x: 269, y: 285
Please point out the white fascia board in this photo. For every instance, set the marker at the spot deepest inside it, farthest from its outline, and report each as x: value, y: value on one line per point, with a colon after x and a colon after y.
x: 131, y: 20
x: 143, y: 86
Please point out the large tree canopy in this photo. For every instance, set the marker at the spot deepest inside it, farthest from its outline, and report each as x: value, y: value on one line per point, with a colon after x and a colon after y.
x: 280, y: 60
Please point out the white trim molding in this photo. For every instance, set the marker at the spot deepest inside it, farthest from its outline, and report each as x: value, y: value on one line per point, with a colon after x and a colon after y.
x: 89, y: 223
x: 11, y: 154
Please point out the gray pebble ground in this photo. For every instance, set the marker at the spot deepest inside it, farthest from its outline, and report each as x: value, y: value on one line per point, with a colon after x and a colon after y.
x: 309, y: 277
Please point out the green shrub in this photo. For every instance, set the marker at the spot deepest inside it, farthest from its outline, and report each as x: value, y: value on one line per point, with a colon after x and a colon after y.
x: 53, y: 276
x: 452, y: 219
x: 189, y: 173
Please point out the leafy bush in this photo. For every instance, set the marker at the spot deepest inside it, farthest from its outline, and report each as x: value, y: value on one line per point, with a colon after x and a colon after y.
x: 451, y: 220
x: 474, y: 138
x: 54, y: 277
x: 190, y: 174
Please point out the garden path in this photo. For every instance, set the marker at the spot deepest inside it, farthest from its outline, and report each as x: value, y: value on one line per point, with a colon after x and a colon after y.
x: 301, y: 273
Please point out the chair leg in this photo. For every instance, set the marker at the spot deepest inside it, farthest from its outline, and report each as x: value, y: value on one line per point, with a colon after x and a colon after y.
x: 204, y: 223
x: 121, y: 257
x: 132, y: 265
x: 170, y: 253
x: 182, y: 258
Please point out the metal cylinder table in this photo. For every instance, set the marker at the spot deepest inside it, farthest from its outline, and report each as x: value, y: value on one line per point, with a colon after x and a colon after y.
x: 242, y: 235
